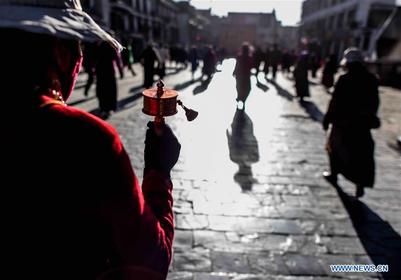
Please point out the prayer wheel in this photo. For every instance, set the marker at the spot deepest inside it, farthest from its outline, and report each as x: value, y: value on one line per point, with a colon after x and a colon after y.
x: 161, y: 102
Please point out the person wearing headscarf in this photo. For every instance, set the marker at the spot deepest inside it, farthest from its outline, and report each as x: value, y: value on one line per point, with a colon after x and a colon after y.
x: 73, y: 206
x: 352, y: 113
x: 242, y: 74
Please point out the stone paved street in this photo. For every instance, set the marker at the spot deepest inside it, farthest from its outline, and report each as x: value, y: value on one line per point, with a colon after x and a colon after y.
x: 250, y: 202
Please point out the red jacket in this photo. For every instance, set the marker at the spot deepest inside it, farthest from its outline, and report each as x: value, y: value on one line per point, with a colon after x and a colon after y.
x: 74, y: 205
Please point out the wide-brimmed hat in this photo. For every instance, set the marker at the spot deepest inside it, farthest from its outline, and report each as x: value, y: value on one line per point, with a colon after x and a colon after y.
x: 61, y: 18
x: 352, y: 55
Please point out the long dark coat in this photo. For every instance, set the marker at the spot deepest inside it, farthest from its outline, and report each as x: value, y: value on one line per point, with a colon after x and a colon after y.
x: 242, y: 73
x: 329, y: 71
x: 106, y: 84
x: 352, y: 112
x: 301, y: 78
x: 209, y: 63
x: 149, y: 56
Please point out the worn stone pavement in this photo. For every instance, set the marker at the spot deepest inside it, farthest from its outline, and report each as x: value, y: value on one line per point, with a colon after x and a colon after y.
x: 250, y: 202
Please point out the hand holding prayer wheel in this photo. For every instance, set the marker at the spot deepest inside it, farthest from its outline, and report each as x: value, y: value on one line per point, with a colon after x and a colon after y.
x: 161, y: 146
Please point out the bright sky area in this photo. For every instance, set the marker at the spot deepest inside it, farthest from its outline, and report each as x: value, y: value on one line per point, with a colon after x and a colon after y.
x: 287, y: 11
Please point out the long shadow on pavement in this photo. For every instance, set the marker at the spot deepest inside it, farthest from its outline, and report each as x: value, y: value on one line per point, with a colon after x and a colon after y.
x: 79, y: 101
x: 202, y: 87
x: 122, y: 104
x: 135, y: 88
x: 312, y: 110
x: 260, y: 85
x: 243, y: 148
x: 186, y: 84
x: 381, y: 242
x: 175, y: 71
x: 281, y: 91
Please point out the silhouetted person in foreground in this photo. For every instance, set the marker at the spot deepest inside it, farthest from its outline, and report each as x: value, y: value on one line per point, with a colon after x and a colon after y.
x: 301, y: 77
x: 75, y: 208
x: 329, y: 70
x: 242, y: 74
x: 352, y: 114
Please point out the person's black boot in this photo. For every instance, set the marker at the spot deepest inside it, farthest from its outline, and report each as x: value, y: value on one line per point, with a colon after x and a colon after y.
x: 360, y: 191
x: 330, y: 177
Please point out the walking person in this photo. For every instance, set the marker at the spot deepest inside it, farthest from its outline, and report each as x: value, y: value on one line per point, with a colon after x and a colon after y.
x: 242, y: 74
x: 128, y: 57
x: 352, y: 114
x: 89, y: 65
x: 149, y: 57
x: 286, y: 62
x: 194, y: 60
x: 257, y: 59
x: 164, y: 57
x: 209, y: 63
x: 275, y: 58
x: 301, y: 77
x: 314, y: 63
x: 329, y: 70
x: 75, y: 208
x: 266, y: 60
x: 106, y: 83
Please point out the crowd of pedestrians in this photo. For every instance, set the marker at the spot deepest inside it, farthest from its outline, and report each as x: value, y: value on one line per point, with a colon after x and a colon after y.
x: 352, y: 111
x: 101, y: 62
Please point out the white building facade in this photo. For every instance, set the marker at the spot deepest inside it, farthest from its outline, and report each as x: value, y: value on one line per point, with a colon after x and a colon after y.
x: 337, y: 24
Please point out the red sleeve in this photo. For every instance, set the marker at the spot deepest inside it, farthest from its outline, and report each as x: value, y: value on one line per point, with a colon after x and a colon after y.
x: 138, y: 224
x: 142, y: 221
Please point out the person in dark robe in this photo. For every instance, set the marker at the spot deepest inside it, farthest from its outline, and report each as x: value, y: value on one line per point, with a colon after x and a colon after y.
x: 149, y: 57
x: 329, y: 70
x: 242, y: 74
x: 301, y: 77
x: 286, y: 62
x: 257, y: 59
x: 89, y: 64
x: 209, y: 63
x: 127, y: 56
x: 314, y: 63
x: 194, y: 60
x: 106, y: 83
x: 352, y: 114
x: 266, y: 60
x: 275, y: 58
